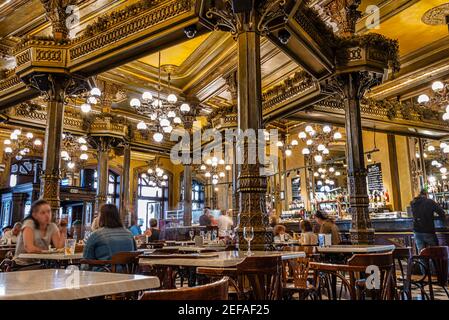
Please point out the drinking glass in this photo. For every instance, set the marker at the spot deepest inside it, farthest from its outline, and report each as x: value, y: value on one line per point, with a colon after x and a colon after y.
x: 248, y: 234
x: 69, y: 248
x: 191, y: 234
x: 202, y: 234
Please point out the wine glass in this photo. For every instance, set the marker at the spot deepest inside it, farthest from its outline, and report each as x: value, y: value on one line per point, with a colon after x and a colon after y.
x: 191, y: 234
x: 248, y: 234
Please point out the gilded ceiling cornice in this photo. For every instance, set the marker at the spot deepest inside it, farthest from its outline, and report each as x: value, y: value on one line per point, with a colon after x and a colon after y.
x: 123, y: 23
x: 290, y: 88
x: 391, y: 111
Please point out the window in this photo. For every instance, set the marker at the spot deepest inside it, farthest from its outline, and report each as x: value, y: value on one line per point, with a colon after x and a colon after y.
x: 113, y: 196
x: 197, y: 195
x: 13, y: 180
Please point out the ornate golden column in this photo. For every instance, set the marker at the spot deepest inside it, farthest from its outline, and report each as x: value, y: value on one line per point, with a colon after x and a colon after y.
x: 188, y: 119
x: 102, y: 144
x: 54, y: 88
x: 361, y: 64
x: 247, y: 21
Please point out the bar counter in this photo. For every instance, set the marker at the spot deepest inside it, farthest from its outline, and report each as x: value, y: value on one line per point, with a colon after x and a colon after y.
x: 398, y: 231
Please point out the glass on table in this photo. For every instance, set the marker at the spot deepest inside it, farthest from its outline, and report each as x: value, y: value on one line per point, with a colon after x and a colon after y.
x: 248, y: 234
x: 191, y: 234
x: 69, y: 248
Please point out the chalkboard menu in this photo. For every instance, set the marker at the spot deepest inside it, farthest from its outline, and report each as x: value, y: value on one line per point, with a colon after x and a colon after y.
x: 374, y: 177
x: 296, y: 188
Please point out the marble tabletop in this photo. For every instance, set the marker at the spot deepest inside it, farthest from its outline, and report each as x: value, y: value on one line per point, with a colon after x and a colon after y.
x: 51, y: 256
x: 225, y: 259
x: 194, y: 248
x: 65, y: 284
x: 355, y: 248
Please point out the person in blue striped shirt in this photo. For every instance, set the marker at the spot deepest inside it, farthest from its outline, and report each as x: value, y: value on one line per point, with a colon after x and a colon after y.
x: 112, y: 237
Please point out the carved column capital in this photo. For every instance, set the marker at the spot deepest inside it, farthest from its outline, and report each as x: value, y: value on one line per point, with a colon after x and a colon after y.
x: 58, y: 13
x: 345, y: 14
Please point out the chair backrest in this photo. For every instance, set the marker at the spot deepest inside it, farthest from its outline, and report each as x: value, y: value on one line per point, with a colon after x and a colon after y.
x: 125, y: 262
x: 264, y: 275
x: 385, y: 263
x: 401, y: 254
x: 439, y: 257
x: 212, y: 291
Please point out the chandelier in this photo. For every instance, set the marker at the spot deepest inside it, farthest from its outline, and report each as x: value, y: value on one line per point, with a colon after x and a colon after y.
x: 74, y: 150
x: 214, y: 169
x: 325, y: 177
x: 19, y: 145
x: 155, y: 176
x: 164, y: 114
x: 94, y: 97
x: 440, y: 98
x: 318, y: 139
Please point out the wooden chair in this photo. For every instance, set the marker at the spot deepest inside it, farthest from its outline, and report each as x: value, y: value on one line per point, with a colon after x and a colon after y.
x: 354, y: 285
x: 434, y: 263
x: 296, y: 277
x: 213, y: 291
x: 121, y: 262
x: 262, y: 274
x: 402, y: 257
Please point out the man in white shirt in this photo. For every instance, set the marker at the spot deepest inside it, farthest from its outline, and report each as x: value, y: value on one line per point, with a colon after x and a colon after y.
x: 10, y: 236
x: 224, y: 223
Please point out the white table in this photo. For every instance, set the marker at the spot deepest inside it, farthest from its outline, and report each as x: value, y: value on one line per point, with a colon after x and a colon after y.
x: 355, y: 249
x: 194, y: 248
x: 225, y: 259
x: 51, y: 256
x: 58, y: 284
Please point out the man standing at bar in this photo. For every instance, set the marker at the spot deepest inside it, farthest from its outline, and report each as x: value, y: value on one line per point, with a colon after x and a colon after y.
x: 423, y: 210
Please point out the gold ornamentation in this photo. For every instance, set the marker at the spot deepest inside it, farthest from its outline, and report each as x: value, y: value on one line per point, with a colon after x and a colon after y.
x: 436, y: 16
x: 118, y: 26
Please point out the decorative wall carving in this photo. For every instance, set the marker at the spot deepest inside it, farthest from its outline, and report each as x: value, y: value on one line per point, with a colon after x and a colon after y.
x: 121, y: 24
x: 299, y: 83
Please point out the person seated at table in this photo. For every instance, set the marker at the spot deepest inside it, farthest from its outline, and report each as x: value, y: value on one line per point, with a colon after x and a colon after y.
x: 153, y: 233
x: 6, y: 229
x: 135, y: 227
x: 110, y: 238
x: 328, y: 226
x: 307, y: 235
x: 274, y: 220
x: 37, y: 234
x: 205, y: 218
x: 280, y: 233
x: 224, y: 223
x: 95, y: 225
x: 10, y: 236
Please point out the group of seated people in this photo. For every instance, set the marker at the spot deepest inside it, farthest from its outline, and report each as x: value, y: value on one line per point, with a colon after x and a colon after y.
x: 10, y: 234
x: 38, y: 233
x: 308, y: 237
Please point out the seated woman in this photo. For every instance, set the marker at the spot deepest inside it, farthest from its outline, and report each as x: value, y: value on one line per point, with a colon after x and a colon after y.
x: 328, y: 226
x: 280, y: 233
x: 37, y: 234
x: 110, y: 238
x: 307, y: 235
x: 153, y: 232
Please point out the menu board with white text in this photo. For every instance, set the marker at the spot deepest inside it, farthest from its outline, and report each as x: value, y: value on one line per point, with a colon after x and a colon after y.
x: 374, y: 178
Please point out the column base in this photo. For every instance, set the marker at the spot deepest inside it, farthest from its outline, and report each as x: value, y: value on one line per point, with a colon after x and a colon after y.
x: 362, y: 236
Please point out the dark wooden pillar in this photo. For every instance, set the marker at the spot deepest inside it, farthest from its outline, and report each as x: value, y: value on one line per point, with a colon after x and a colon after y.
x: 187, y: 195
x: 251, y: 185
x: 18, y: 207
x: 124, y: 184
x: 353, y: 89
x: 395, y: 191
x: 54, y: 87
x: 103, y: 146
